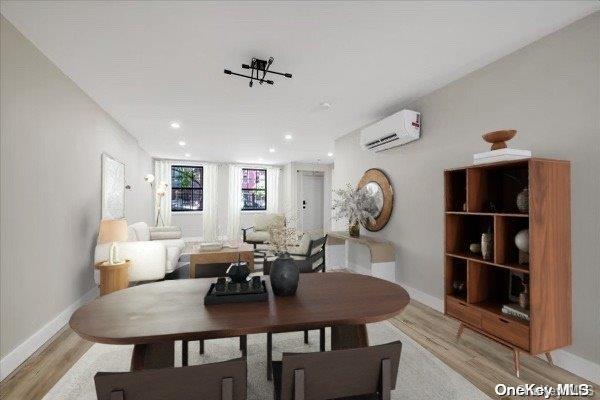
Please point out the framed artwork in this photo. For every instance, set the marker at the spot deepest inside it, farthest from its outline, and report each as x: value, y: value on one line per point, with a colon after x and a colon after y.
x: 113, y: 188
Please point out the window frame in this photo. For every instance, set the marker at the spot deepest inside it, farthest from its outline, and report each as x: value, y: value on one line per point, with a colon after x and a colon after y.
x: 255, y: 190
x: 192, y: 189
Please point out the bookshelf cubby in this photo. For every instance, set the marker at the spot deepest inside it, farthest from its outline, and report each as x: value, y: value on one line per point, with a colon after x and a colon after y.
x: 482, y: 199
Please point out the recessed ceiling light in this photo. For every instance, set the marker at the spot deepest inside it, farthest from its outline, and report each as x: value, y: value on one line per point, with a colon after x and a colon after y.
x: 188, y: 155
x: 271, y: 150
x: 325, y: 105
x: 182, y: 143
x: 288, y: 136
x: 175, y: 125
x: 330, y: 154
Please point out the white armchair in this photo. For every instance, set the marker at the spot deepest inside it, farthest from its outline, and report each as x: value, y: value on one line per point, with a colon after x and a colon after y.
x: 153, y: 252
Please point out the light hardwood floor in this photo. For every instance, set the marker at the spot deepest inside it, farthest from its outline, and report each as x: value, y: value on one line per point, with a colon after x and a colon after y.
x: 481, y: 361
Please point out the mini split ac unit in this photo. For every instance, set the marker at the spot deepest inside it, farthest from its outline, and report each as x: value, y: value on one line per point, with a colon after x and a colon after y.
x: 395, y: 130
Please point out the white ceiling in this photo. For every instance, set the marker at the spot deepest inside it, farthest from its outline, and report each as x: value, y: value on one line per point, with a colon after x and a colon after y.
x: 150, y: 63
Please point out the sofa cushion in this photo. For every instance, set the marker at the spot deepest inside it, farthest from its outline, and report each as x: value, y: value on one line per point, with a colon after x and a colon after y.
x: 142, y: 231
x: 302, y: 248
x: 165, y: 232
x: 264, y: 221
x: 260, y: 236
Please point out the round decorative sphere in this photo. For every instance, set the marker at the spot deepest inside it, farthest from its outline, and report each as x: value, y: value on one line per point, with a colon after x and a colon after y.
x: 284, y: 276
x: 522, y: 240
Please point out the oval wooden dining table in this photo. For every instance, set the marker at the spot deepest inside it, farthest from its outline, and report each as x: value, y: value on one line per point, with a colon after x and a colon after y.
x: 154, y: 315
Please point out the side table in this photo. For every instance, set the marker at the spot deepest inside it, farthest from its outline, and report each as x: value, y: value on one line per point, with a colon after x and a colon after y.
x: 113, y: 277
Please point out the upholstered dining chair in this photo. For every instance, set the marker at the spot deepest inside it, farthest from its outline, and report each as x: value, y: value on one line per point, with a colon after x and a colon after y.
x: 309, y: 258
x: 211, y: 271
x: 218, y: 381
x: 357, y: 374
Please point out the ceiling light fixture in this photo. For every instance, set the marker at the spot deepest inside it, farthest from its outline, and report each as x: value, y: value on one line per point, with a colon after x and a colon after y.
x: 258, y: 67
x: 175, y: 125
x: 330, y: 154
x: 182, y: 143
x: 271, y: 150
x: 288, y: 137
x: 188, y: 155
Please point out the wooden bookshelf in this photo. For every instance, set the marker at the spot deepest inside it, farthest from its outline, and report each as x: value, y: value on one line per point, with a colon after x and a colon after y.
x: 482, y: 198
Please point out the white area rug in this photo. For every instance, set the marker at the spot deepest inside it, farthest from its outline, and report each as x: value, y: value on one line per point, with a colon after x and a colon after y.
x: 420, y: 375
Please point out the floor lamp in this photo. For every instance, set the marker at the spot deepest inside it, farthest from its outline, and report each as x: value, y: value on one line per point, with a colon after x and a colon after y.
x: 161, y: 190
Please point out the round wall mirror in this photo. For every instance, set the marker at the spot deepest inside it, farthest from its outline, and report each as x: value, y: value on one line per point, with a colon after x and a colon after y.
x: 377, y: 183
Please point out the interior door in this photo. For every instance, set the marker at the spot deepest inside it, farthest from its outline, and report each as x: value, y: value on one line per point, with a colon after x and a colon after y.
x: 311, y: 201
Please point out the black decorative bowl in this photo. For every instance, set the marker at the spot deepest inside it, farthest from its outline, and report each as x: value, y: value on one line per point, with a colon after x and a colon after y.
x: 238, y: 272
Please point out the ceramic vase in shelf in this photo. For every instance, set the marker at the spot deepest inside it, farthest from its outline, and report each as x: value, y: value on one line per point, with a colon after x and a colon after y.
x: 487, y: 246
x: 523, y: 200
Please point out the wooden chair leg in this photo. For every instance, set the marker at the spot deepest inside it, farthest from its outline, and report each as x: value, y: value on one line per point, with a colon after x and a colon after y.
x: 516, y: 361
x: 201, y: 346
x: 184, y: 353
x: 306, y: 337
x: 269, y: 356
x: 244, y: 345
x: 322, y: 339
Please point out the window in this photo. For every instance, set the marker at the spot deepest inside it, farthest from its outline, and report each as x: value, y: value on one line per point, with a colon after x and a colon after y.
x: 186, y: 188
x: 254, y: 189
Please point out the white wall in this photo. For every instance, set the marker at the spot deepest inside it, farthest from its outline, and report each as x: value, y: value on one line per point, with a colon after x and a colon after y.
x: 549, y: 91
x: 52, y: 137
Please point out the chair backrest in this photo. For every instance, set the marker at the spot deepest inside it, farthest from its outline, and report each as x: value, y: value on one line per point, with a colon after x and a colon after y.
x: 217, y: 381
x: 316, y: 253
x: 340, y: 373
x: 265, y: 221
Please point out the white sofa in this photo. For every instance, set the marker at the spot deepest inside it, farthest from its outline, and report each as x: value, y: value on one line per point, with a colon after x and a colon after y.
x: 153, y: 252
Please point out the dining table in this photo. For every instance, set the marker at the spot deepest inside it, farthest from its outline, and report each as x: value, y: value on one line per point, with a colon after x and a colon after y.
x: 153, y: 316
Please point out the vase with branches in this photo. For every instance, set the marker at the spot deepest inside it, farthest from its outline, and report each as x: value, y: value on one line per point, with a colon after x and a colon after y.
x: 354, y: 205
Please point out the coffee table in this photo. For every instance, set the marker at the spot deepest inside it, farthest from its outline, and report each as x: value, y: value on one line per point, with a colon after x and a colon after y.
x: 245, y: 252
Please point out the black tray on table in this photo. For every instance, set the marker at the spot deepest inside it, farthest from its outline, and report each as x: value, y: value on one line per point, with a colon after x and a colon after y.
x: 223, y: 292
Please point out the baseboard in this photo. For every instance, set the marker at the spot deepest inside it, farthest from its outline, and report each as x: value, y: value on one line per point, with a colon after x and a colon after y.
x: 576, y: 364
x: 561, y: 358
x: 424, y: 298
x: 23, y: 351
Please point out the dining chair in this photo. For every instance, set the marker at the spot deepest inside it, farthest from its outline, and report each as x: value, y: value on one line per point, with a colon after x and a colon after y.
x: 310, y: 260
x: 218, y: 381
x: 211, y: 271
x: 357, y: 374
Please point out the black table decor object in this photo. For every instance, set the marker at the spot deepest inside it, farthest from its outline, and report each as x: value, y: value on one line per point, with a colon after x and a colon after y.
x: 284, y: 275
x: 227, y: 291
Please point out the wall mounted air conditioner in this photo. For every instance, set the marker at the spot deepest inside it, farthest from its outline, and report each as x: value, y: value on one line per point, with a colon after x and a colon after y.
x: 395, y: 130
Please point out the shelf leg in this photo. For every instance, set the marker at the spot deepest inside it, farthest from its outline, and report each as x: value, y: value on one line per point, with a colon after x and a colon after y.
x: 461, y: 328
x: 549, y: 357
x: 516, y: 361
